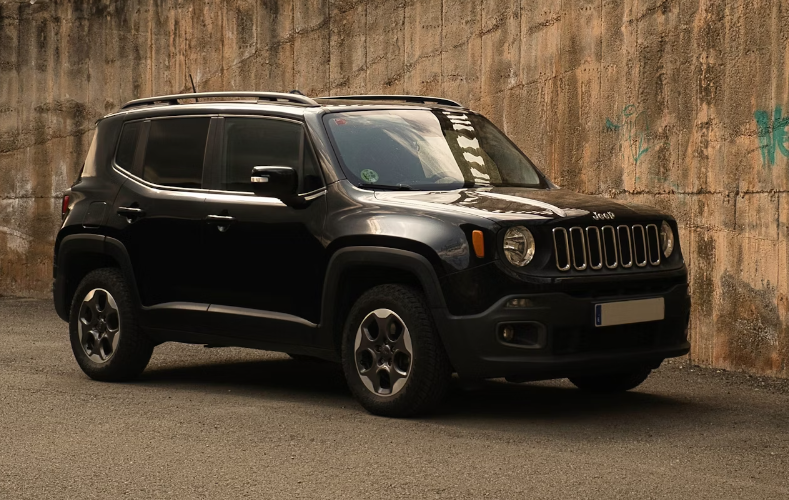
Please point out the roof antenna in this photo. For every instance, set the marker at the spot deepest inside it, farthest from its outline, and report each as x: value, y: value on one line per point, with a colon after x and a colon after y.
x: 194, y: 89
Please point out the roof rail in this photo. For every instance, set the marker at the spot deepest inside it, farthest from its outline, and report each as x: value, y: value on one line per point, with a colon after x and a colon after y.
x: 406, y: 98
x: 261, y: 96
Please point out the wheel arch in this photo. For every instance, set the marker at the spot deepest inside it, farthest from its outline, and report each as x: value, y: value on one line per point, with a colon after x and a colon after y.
x: 355, y: 269
x: 79, y: 254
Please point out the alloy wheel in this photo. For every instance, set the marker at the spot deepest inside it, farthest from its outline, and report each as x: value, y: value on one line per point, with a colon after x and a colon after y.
x: 99, y: 325
x: 383, y: 352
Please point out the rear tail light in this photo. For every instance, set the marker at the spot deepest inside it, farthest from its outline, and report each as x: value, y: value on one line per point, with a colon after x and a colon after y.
x: 64, y: 208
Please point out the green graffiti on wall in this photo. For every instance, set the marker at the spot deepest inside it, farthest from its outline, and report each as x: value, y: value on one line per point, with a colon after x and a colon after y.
x: 633, y: 128
x: 772, y: 134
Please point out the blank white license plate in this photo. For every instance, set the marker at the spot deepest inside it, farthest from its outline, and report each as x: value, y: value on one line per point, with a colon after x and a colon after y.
x: 630, y: 311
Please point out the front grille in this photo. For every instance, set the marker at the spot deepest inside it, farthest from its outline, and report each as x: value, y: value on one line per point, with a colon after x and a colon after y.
x: 608, y: 246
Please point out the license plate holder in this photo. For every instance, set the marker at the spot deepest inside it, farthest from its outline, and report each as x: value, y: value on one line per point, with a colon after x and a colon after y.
x: 629, y: 311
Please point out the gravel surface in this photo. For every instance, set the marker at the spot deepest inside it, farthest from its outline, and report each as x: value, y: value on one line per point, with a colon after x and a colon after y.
x: 235, y: 423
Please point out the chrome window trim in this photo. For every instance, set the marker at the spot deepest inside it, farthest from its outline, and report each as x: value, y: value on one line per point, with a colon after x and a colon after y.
x: 158, y: 187
x: 556, y: 248
x: 583, y: 248
x: 646, y: 249
x: 629, y: 243
x: 657, y: 241
x: 605, y: 248
x: 599, y: 248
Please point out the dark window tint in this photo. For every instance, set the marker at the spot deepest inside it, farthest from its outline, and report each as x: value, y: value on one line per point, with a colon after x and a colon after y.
x: 127, y: 145
x: 175, y: 151
x: 253, y: 142
x: 311, y: 177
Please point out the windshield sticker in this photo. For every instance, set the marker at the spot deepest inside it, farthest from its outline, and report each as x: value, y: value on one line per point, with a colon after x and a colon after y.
x: 370, y: 176
x: 340, y: 121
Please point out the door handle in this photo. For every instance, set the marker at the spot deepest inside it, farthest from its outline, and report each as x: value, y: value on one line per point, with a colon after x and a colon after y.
x: 219, y: 219
x: 131, y: 213
x: 222, y: 222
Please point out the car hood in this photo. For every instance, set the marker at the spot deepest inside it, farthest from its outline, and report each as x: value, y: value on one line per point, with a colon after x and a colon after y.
x: 501, y: 204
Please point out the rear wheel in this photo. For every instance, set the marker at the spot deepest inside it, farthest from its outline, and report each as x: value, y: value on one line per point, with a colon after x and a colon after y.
x: 612, y: 382
x: 392, y: 357
x: 105, y: 338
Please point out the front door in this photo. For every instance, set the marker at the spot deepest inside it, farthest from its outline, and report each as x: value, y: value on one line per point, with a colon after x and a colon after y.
x: 264, y: 260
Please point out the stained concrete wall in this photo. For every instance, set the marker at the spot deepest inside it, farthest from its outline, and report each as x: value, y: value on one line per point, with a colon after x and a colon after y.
x: 673, y: 103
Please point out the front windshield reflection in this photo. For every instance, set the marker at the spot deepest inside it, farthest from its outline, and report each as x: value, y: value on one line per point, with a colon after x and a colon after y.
x: 427, y: 149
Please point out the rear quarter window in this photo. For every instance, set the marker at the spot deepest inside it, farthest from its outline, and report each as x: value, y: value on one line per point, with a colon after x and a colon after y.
x: 127, y: 145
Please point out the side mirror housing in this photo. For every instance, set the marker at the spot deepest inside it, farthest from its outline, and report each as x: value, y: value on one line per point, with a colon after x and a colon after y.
x: 274, y: 181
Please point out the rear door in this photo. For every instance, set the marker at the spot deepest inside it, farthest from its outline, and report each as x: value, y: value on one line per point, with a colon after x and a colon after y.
x: 265, y: 260
x: 158, y: 215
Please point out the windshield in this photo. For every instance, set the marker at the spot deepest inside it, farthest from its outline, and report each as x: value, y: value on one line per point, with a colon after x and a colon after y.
x: 427, y: 150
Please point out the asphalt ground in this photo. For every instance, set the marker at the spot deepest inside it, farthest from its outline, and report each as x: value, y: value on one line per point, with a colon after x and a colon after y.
x: 235, y: 423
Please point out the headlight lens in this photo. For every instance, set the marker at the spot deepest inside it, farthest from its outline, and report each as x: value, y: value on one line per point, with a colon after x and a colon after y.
x: 519, y: 245
x: 666, y: 239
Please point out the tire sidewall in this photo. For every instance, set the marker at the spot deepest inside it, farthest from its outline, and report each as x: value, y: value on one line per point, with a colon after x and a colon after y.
x: 112, y: 282
x: 364, y: 306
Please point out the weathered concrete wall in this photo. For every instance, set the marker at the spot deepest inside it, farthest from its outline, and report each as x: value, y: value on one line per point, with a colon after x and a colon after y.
x: 675, y: 103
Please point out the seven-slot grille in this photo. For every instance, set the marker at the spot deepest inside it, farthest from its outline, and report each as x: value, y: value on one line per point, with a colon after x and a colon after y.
x: 610, y: 246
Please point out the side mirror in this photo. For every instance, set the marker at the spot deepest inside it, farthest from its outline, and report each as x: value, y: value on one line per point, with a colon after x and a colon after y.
x: 274, y: 182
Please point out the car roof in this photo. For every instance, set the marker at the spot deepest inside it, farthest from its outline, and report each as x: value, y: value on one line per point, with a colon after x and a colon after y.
x: 279, y: 103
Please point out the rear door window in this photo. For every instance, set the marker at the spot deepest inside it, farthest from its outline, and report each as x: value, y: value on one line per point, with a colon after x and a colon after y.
x: 175, y: 152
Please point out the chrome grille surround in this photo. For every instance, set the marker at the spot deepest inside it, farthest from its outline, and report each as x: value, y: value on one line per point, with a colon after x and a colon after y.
x: 639, y: 227
x: 583, y: 248
x: 615, y: 263
x: 599, y: 247
x: 608, y: 246
x: 621, y: 246
x: 657, y: 240
x: 556, y: 231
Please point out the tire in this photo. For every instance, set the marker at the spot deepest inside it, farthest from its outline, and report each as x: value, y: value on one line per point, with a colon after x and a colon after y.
x: 612, y: 382
x: 107, y: 345
x: 409, y: 363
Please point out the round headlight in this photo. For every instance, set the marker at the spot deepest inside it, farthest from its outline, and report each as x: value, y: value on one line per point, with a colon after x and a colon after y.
x: 666, y: 239
x: 518, y: 245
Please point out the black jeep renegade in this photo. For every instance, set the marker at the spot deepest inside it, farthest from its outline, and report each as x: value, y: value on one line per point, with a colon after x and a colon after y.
x: 405, y: 236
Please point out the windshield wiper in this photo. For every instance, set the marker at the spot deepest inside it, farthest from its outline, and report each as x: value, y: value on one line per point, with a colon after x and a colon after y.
x: 386, y: 187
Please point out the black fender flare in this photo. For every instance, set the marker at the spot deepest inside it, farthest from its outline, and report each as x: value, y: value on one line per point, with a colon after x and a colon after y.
x: 360, y: 256
x: 70, y: 248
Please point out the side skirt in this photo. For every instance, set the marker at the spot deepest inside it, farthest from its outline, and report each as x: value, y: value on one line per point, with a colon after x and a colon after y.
x: 163, y: 335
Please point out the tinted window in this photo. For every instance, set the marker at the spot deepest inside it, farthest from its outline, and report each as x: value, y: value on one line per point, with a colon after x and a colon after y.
x: 253, y: 142
x: 127, y: 145
x: 429, y: 150
x: 175, y: 151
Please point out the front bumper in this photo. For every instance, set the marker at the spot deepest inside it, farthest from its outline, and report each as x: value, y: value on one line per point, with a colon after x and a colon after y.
x: 566, y: 342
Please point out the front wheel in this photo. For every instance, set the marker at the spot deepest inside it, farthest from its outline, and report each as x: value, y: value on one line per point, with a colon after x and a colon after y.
x: 105, y: 338
x: 392, y: 356
x: 612, y: 382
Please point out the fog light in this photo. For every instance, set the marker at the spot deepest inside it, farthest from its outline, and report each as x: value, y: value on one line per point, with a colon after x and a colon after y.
x: 508, y: 333
x: 525, y: 334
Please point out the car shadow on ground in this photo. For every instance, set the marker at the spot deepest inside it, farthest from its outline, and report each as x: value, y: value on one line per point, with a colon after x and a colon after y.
x: 322, y: 383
